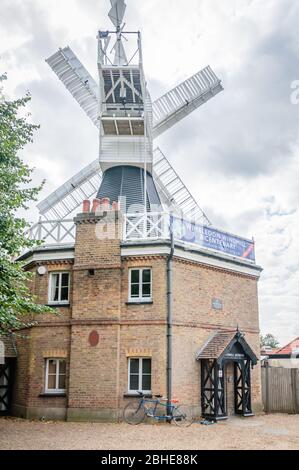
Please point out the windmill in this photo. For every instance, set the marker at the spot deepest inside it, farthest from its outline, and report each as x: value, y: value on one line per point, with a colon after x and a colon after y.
x: 120, y: 106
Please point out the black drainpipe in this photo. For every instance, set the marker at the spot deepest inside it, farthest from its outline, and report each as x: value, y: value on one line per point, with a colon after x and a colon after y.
x: 169, y: 323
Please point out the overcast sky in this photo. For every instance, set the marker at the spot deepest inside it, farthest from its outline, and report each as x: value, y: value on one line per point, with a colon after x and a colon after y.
x: 238, y: 154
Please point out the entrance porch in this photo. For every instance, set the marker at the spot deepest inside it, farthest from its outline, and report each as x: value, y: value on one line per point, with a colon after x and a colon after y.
x: 226, y: 362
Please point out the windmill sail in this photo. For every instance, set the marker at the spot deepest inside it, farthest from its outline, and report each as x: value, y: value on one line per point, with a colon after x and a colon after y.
x: 77, y: 80
x: 66, y: 199
x: 177, y: 194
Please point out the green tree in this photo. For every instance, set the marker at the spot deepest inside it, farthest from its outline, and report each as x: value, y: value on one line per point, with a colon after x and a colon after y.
x: 17, y: 305
x: 270, y: 341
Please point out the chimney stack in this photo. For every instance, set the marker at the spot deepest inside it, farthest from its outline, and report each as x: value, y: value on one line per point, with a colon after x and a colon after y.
x: 95, y: 205
x: 86, y: 206
x: 98, y: 205
x: 105, y: 204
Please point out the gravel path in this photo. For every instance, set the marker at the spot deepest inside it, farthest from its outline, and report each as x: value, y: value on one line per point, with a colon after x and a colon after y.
x: 263, y: 432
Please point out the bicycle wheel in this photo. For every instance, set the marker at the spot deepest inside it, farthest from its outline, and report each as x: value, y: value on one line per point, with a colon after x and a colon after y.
x: 134, y: 413
x: 183, y: 416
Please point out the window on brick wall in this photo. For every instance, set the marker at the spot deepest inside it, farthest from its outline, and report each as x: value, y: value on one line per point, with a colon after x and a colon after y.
x: 55, y: 376
x: 59, y: 288
x: 140, y: 285
x: 139, y: 375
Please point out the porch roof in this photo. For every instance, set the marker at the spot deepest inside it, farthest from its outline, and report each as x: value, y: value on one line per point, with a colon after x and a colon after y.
x: 215, y: 345
x: 226, y: 345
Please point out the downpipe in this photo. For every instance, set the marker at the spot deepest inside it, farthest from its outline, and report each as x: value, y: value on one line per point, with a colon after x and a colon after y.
x: 169, y: 323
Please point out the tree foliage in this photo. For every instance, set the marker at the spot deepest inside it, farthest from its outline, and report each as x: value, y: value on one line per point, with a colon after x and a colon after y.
x: 16, y: 301
x: 270, y: 341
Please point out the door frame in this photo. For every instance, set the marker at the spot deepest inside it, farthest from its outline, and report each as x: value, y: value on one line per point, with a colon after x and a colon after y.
x: 242, y: 388
x: 241, y: 384
x: 9, y: 365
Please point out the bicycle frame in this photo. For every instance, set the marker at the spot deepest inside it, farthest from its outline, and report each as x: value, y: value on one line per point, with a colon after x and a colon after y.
x: 152, y: 413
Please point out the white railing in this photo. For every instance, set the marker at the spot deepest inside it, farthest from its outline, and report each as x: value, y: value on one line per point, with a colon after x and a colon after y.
x: 53, y: 231
x: 148, y: 226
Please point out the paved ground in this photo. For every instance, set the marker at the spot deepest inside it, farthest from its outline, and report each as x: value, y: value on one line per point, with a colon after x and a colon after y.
x: 264, y: 432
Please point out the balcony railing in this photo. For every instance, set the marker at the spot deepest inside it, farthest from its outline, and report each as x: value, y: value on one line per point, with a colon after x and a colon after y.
x: 53, y: 231
x: 150, y: 226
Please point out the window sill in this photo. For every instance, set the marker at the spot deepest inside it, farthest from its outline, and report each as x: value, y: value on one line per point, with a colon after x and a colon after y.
x: 139, y: 302
x: 52, y: 395
x: 133, y: 395
x: 58, y: 305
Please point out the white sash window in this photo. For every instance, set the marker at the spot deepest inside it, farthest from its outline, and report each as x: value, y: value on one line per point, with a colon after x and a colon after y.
x: 55, y: 376
x: 59, y: 288
x: 140, y: 285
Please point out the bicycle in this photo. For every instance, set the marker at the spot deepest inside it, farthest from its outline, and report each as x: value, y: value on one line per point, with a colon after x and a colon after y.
x: 135, y: 412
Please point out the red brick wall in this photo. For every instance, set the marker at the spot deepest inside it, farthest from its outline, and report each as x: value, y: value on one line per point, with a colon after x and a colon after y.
x: 196, y: 285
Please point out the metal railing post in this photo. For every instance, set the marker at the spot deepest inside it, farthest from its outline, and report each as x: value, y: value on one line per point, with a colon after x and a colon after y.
x: 58, y: 232
x: 124, y: 236
x: 166, y: 226
x: 144, y: 226
x: 39, y: 231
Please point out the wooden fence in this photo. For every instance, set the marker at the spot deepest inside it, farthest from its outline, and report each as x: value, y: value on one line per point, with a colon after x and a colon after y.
x: 280, y: 390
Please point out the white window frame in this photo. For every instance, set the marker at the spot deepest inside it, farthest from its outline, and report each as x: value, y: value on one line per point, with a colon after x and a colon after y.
x: 141, y: 298
x: 58, y: 302
x: 55, y: 390
x: 140, y: 374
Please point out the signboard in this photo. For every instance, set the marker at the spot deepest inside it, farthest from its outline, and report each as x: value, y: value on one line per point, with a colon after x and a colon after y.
x: 234, y: 356
x: 213, y: 239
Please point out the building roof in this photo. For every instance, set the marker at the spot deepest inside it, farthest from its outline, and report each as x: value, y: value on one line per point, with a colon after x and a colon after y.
x: 65, y: 252
x: 49, y: 252
x: 128, y: 182
x: 288, y: 349
x: 215, y: 345
x: 9, y: 346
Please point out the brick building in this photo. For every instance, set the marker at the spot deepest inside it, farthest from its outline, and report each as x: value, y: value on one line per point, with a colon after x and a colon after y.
x: 109, y: 337
x: 145, y: 301
x: 287, y: 356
